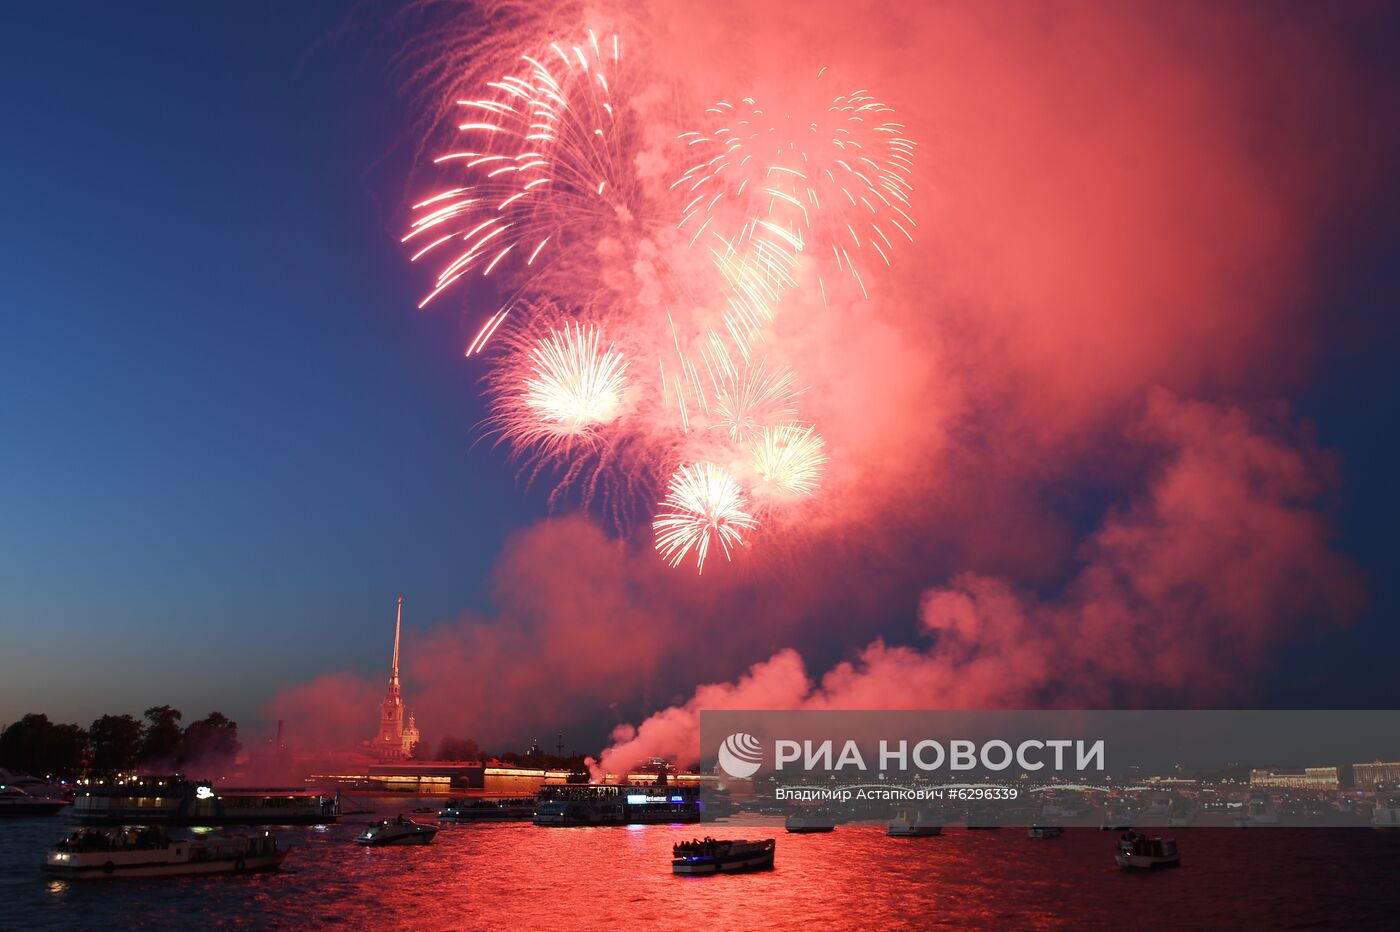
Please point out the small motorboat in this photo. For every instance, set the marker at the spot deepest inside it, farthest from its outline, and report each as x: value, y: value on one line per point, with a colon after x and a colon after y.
x: 805, y: 823
x: 913, y: 823
x: 17, y: 803
x: 1045, y: 831
x: 149, y: 852
x: 398, y: 831
x: 722, y: 856
x: 1139, y: 852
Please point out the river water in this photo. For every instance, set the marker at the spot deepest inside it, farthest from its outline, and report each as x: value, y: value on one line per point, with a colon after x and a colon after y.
x: 517, y: 875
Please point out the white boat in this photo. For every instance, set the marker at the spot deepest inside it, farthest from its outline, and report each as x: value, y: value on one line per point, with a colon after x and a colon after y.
x: 489, y: 809
x: 722, y: 856
x: 1138, y: 852
x: 1259, y: 811
x: 571, y: 804
x: 1386, y: 814
x: 15, y: 803
x: 914, y: 823
x: 149, y: 852
x: 804, y: 823
x: 1045, y: 831
x: 398, y: 831
x: 34, y: 786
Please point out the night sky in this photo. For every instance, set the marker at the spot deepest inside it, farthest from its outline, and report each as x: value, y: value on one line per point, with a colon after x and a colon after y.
x: 228, y: 440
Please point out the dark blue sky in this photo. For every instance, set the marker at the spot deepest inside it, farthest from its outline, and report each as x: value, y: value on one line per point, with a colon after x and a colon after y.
x: 228, y: 440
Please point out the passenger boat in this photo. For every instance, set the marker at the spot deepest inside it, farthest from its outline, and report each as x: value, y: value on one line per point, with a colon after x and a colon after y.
x: 1386, y: 814
x: 806, y: 823
x: 913, y: 823
x: 1119, y: 818
x: 149, y: 852
x: 173, y: 800
x: 572, y: 804
x: 722, y: 856
x: 1258, y: 811
x: 1138, y: 852
x: 985, y: 817
x: 489, y: 809
x: 1045, y: 831
x: 398, y: 831
x: 15, y: 803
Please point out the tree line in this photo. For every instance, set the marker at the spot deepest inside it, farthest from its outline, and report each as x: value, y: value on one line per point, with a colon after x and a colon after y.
x: 119, y: 743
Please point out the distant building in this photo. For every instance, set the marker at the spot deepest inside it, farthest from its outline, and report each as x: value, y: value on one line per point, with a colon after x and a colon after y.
x: 396, y: 736
x: 1376, y: 774
x: 1310, y: 778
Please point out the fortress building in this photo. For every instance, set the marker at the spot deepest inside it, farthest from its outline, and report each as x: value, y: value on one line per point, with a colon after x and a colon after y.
x: 396, y: 737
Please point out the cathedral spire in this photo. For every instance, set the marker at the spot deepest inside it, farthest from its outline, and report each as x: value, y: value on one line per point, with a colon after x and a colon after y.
x: 398, y: 622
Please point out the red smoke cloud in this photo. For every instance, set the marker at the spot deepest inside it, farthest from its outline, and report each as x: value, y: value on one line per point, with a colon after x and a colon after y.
x: 1182, y: 596
x: 1120, y: 212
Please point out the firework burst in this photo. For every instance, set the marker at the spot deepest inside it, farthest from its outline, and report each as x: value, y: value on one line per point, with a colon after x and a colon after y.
x: 703, y: 505
x: 542, y: 171
x: 767, y: 187
x: 555, y: 193
x: 788, y: 461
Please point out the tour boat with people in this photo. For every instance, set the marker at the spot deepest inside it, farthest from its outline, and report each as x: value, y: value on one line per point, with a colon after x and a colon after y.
x: 1137, y: 851
x: 489, y: 809
x: 399, y: 831
x: 575, y: 804
x: 174, y: 800
x: 15, y: 803
x: 149, y: 852
x: 914, y: 823
x: 722, y: 856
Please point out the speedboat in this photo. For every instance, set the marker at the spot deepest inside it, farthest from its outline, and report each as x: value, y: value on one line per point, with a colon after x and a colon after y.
x: 802, y: 823
x: 149, y: 852
x: 398, y: 831
x: 1138, y: 852
x: 722, y: 856
x: 1045, y: 831
x: 16, y: 803
x: 913, y: 823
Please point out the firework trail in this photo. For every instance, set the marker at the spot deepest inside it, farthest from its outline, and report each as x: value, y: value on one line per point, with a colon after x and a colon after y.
x: 632, y: 343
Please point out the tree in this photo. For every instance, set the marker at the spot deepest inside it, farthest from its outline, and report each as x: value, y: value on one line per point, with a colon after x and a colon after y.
x: 160, y: 740
x: 114, y: 741
x: 37, y: 746
x: 451, y: 748
x: 210, y: 745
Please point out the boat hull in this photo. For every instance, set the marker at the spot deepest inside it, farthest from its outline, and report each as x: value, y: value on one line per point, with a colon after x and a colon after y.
x: 1146, y: 862
x: 33, y: 810
x: 736, y: 865
x: 110, y: 869
x: 913, y: 831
